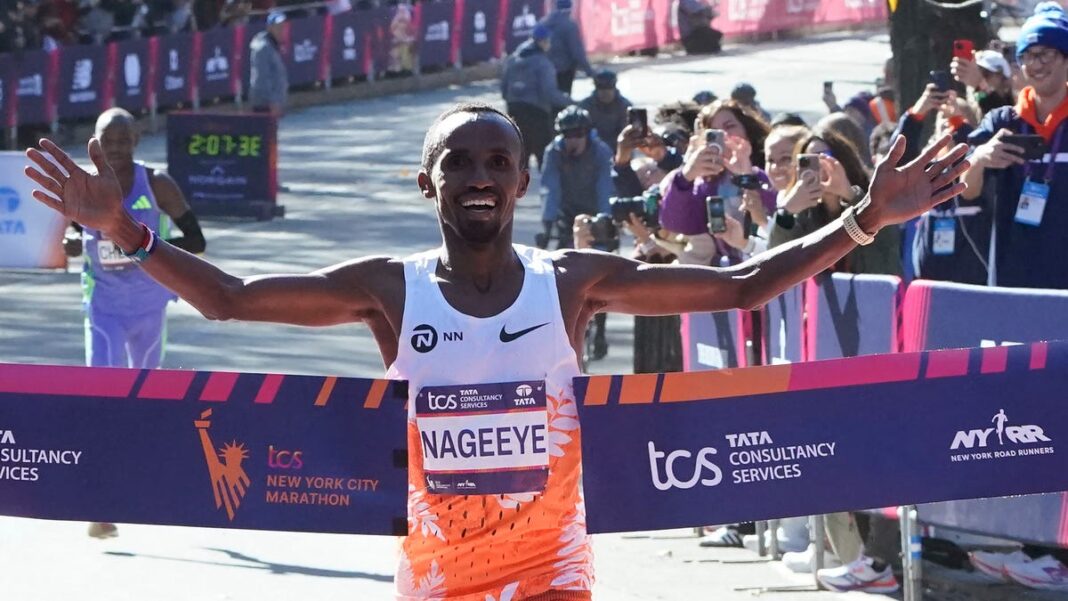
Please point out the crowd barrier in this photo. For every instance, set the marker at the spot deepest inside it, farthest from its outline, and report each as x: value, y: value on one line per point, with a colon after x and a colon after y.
x: 186, y: 69
x: 846, y: 315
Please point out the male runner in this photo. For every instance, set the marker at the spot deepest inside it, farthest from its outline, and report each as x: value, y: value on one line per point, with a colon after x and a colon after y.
x: 125, y: 310
x: 514, y: 314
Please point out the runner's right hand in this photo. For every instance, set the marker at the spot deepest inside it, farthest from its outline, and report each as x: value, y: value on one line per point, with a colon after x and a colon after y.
x: 93, y: 200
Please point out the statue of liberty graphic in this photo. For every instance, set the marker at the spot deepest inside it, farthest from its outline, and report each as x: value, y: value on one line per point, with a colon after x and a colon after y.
x: 229, y: 481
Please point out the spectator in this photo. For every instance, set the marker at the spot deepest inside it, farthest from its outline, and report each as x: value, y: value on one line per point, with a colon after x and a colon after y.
x: 234, y: 12
x: 779, y: 155
x: 788, y: 119
x: 1028, y: 243
x: 745, y: 95
x: 989, y: 79
x: 628, y: 183
x: 704, y: 97
x: 528, y: 85
x: 96, y: 22
x: 695, y: 27
x: 842, y: 125
x: 268, y: 80
x: 566, y: 51
x: 131, y: 19
x: 181, y: 19
x: 607, y: 107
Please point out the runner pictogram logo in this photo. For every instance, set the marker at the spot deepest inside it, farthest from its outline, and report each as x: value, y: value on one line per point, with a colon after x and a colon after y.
x: 229, y: 481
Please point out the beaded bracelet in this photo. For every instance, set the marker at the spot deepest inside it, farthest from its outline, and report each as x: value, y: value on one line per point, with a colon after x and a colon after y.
x: 145, y: 249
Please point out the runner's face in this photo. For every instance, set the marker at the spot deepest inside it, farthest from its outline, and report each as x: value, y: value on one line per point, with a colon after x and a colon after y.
x: 118, y: 141
x: 477, y: 177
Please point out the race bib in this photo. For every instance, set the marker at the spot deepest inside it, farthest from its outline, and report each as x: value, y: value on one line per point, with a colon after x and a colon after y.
x: 1032, y: 203
x: 484, y: 439
x: 944, y: 236
x: 110, y: 257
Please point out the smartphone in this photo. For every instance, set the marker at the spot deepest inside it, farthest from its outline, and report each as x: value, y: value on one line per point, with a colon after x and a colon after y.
x: 808, y: 168
x: 639, y: 119
x: 828, y: 87
x: 1034, y: 146
x: 716, y: 138
x: 941, y: 80
x: 717, y: 216
x: 964, y: 49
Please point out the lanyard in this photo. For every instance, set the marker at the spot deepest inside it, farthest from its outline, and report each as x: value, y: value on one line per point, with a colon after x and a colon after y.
x: 1052, y: 153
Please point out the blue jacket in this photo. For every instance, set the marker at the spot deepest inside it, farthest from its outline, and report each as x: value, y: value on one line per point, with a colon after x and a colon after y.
x: 576, y: 185
x: 567, y: 51
x: 528, y: 77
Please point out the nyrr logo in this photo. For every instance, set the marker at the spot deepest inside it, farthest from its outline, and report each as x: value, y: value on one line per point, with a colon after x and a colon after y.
x: 969, y: 439
x: 425, y: 337
x: 671, y: 480
x: 229, y: 481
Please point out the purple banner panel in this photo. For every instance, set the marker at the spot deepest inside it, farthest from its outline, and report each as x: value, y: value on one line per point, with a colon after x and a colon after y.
x: 851, y: 315
x: 218, y: 450
x: 484, y: 439
x: 306, y: 38
x: 130, y: 81
x: 685, y: 449
x: 35, y: 72
x: 347, y: 45
x: 217, y: 63
x: 784, y: 319
x: 713, y: 340
x: 436, y: 31
x: 8, y: 77
x: 174, y: 65
x: 82, y: 74
x: 479, y: 30
x: 523, y: 15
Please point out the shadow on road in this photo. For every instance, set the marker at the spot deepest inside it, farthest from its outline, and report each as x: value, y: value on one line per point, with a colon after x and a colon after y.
x: 257, y: 564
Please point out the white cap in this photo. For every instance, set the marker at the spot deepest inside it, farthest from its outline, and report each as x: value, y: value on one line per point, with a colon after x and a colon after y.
x: 993, y: 61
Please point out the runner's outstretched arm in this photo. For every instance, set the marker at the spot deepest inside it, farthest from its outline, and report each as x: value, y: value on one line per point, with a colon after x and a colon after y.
x: 897, y: 194
x: 331, y: 296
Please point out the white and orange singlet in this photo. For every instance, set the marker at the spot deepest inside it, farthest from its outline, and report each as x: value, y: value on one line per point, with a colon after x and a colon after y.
x: 494, y: 506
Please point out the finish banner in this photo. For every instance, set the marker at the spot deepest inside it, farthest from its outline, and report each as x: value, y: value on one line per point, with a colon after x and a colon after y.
x: 251, y: 451
x: 674, y: 450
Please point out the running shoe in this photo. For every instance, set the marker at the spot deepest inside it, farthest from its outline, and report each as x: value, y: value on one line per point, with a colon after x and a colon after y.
x: 1044, y: 573
x: 786, y: 544
x: 103, y: 530
x: 724, y: 536
x: 993, y: 564
x: 803, y: 562
x: 858, y: 576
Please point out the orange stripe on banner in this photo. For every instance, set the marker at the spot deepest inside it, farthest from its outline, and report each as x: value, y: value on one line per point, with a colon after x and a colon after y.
x: 597, y: 390
x: 724, y: 383
x: 324, y: 392
x: 374, y: 396
x: 638, y: 389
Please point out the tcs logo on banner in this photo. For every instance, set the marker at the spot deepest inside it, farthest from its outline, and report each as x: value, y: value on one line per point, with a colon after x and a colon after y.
x: 286, y: 460
x: 441, y: 402
x: 700, y: 469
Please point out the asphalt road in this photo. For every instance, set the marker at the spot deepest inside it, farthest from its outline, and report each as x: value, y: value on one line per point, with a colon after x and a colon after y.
x: 350, y: 169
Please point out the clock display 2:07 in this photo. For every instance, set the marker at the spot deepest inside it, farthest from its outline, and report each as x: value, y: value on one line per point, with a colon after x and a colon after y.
x: 225, y: 144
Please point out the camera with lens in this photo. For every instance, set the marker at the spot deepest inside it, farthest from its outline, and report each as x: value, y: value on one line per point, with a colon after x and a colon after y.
x: 605, y: 232
x: 645, y: 207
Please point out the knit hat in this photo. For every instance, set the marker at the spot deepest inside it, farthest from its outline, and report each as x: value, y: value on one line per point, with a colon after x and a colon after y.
x: 604, y: 79
x: 993, y: 62
x: 540, y: 32
x: 1047, y: 27
x: 276, y: 17
x: 563, y: 4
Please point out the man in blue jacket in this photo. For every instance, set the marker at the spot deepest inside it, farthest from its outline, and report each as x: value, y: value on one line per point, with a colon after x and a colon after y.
x: 528, y: 85
x: 567, y: 51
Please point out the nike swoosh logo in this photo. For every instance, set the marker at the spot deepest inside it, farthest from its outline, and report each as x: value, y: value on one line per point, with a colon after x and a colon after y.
x: 507, y: 336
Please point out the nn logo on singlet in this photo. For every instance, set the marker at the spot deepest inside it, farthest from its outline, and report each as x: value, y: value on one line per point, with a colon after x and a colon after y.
x: 425, y: 337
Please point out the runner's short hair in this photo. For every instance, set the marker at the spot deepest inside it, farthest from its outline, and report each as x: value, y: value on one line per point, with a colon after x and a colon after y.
x: 433, y: 144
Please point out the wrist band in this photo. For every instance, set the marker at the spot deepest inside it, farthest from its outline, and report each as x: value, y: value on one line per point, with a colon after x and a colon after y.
x: 849, y: 223
x: 148, y: 245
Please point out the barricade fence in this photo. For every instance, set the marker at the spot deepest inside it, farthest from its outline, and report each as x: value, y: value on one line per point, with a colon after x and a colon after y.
x: 842, y: 315
x: 186, y: 69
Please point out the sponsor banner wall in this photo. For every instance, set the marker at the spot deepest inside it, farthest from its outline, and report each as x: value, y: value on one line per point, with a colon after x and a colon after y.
x: 347, y: 45
x: 216, y: 67
x: 436, y: 29
x: 850, y: 315
x: 82, y: 74
x: 946, y: 315
x: 683, y: 449
x: 130, y: 82
x: 35, y: 91
x: 379, y: 39
x: 520, y: 20
x: 30, y: 233
x: 766, y: 16
x: 221, y: 450
x: 175, y: 70
x: 8, y: 85
x: 478, y: 30
x: 713, y: 340
x: 784, y: 319
x: 304, y: 50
